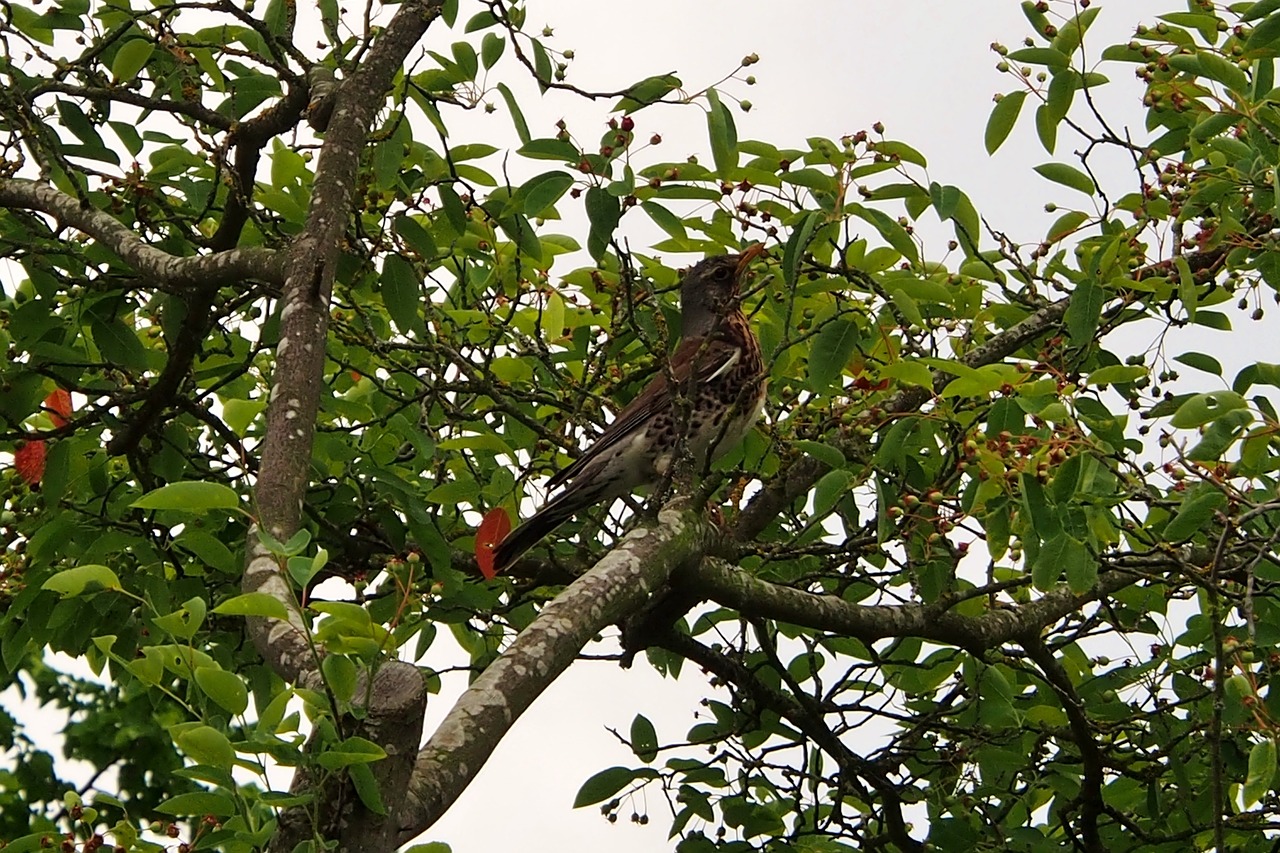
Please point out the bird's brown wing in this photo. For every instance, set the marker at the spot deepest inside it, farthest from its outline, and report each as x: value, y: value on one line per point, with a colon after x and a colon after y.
x: 706, y: 358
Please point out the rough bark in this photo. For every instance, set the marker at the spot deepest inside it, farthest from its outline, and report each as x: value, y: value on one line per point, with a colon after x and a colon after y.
x: 161, y: 269
x: 482, y: 716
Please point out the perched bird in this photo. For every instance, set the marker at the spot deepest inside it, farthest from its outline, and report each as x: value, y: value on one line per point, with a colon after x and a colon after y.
x: 717, y: 367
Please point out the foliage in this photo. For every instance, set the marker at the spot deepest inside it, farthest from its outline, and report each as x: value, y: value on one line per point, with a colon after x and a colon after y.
x: 995, y: 574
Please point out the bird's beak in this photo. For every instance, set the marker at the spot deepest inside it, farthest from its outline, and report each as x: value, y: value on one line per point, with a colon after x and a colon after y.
x: 748, y: 255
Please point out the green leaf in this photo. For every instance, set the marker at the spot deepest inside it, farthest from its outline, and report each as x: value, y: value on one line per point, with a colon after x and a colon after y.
x: 191, y: 496
x: 1055, y: 59
x: 665, y: 219
x: 1224, y: 71
x: 541, y: 64
x: 83, y: 580
x: 471, y: 151
x: 1186, y: 286
x: 824, y: 453
x: 945, y: 199
x: 418, y: 237
x: 119, y: 343
x: 644, y: 739
x: 833, y: 486
x: 890, y: 229
x: 1068, y: 176
x: 219, y: 805
x: 1047, y: 128
x: 253, y: 604
x: 465, y: 55
x: 793, y: 254
x: 724, y: 135
x: 131, y: 59
x: 1262, y: 770
x: 1200, y: 361
x: 1264, y: 34
x: 367, y: 788
x: 832, y: 348
x: 646, y: 92
x: 453, y: 209
x: 341, y: 675
x: 604, y: 212
x: 550, y: 149
x: 910, y: 372
x: 491, y: 48
x: 223, y: 687
x: 1079, y: 565
x: 1117, y: 374
x: 603, y: 785
x: 543, y: 191
x: 353, y: 750
x: 1085, y: 311
x: 303, y: 569
x: 207, y: 745
x: 517, y: 116
x: 1194, y: 514
x: 1200, y: 409
x: 515, y: 226
x: 402, y: 294
x: 1002, y: 120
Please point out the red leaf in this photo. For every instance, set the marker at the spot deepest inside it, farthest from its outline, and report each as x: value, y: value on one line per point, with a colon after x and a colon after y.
x: 59, y: 405
x: 29, y: 461
x: 493, y: 529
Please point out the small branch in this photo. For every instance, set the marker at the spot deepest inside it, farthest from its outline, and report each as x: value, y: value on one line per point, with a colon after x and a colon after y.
x: 191, y: 109
x: 1092, y: 805
x: 169, y: 272
x: 809, y: 721
x: 183, y: 349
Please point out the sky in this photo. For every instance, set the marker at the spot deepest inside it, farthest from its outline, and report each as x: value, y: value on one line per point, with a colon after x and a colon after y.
x: 922, y: 67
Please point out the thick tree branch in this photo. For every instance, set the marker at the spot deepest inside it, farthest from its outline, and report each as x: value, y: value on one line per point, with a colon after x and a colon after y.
x: 304, y: 316
x: 399, y: 694
x: 167, y: 271
x: 483, y: 715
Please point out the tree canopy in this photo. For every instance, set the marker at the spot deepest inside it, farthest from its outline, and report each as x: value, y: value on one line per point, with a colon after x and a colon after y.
x: 995, y: 571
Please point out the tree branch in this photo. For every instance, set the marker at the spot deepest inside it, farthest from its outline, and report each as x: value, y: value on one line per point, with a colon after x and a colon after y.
x: 1092, y: 804
x: 750, y: 596
x: 482, y: 716
x: 304, y: 321
x: 168, y: 271
x: 809, y: 721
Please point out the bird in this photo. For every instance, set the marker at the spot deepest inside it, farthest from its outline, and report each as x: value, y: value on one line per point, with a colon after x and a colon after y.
x: 717, y: 367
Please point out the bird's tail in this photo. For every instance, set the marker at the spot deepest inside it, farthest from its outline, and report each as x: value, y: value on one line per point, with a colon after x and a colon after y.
x: 540, y: 524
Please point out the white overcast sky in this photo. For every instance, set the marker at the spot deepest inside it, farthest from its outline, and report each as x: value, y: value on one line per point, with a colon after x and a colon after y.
x: 924, y: 69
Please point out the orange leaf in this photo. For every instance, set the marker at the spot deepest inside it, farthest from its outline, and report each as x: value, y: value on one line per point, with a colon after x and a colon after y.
x: 29, y: 461
x: 59, y: 405
x: 493, y: 529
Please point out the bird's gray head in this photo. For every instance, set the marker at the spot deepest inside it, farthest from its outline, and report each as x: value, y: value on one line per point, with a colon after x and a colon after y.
x: 709, y: 290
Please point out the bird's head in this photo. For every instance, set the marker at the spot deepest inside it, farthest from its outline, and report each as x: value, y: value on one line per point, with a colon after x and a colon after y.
x: 709, y: 290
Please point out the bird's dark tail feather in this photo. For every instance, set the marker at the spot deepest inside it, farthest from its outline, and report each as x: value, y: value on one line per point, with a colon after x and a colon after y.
x: 524, y: 537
